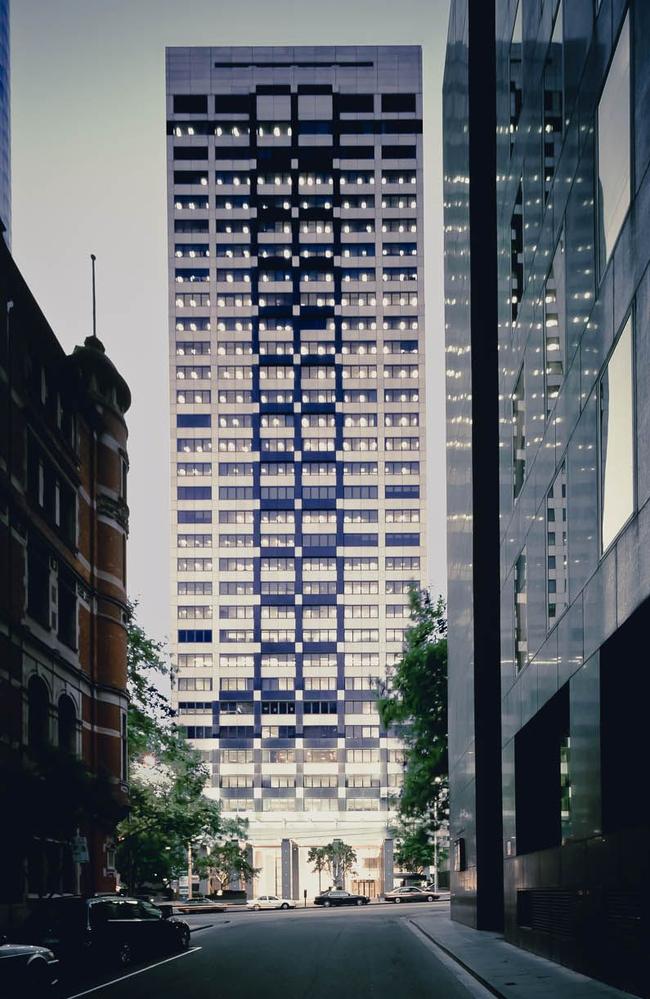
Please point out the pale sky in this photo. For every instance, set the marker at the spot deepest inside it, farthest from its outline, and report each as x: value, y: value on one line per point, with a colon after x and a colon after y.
x: 88, y: 165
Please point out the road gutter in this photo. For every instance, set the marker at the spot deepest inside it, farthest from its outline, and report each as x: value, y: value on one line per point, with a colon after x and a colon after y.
x: 466, y: 967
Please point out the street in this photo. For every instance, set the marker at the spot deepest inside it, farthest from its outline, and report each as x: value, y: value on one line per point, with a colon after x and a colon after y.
x: 303, y: 954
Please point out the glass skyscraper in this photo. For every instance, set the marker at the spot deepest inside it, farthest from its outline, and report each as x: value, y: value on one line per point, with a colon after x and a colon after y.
x: 5, y: 123
x: 298, y: 459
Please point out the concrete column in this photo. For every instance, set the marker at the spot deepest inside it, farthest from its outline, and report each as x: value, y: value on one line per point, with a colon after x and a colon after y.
x: 286, y: 867
x: 388, y: 868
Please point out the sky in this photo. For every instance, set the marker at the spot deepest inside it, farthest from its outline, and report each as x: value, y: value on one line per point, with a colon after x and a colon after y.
x: 88, y: 173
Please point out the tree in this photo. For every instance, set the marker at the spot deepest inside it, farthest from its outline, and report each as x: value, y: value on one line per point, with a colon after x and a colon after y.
x: 339, y: 860
x: 318, y: 859
x: 227, y: 860
x: 169, y: 813
x: 414, y: 702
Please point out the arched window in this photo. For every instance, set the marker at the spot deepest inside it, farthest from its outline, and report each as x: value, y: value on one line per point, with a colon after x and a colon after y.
x: 67, y: 725
x: 38, y: 719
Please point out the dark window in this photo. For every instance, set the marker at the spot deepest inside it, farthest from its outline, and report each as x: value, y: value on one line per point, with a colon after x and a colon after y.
x: 190, y: 104
x: 67, y: 725
x: 190, y: 152
x: 623, y: 720
x: 38, y: 583
x: 396, y: 103
x: 232, y: 103
x: 67, y: 608
x: 354, y: 103
x: 195, y: 516
x: 38, y: 714
x: 541, y: 775
x: 402, y: 492
x: 194, y: 492
x: 398, y: 152
x: 193, y: 420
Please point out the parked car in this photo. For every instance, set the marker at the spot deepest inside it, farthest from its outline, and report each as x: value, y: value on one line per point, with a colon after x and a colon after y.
x: 116, y: 930
x: 336, y: 896
x: 410, y: 893
x: 26, y: 970
x: 270, y: 902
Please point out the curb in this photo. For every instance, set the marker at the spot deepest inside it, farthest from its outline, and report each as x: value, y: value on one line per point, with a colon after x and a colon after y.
x: 466, y: 967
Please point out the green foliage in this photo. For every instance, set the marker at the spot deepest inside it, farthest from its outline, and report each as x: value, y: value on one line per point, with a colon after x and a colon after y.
x: 226, y: 859
x: 416, y: 706
x: 168, y: 809
x: 336, y: 857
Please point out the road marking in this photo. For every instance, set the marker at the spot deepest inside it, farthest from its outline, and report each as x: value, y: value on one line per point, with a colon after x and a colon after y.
x: 132, y: 974
x: 474, y: 988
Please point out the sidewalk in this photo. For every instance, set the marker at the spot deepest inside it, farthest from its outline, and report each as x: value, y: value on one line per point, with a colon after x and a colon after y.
x: 505, y: 970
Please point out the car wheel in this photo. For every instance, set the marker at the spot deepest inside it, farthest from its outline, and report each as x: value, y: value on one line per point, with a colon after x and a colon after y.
x: 124, y: 954
x: 38, y: 979
x: 184, y: 938
x: 397, y: 901
x: 256, y: 908
x: 431, y: 898
x: 284, y: 906
x: 359, y: 901
x: 326, y: 904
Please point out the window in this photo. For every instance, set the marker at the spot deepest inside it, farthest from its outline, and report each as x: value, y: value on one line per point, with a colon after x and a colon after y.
x: 542, y: 776
x: 38, y: 582
x: 362, y: 755
x: 236, y: 756
x: 194, y: 683
x: 518, y: 435
x: 553, y: 125
x: 617, y: 439
x: 398, y: 103
x: 278, y: 756
x: 555, y: 326
x: 516, y: 73
x: 194, y: 588
x: 556, y: 549
x: 517, y: 253
x: 320, y: 755
x: 521, y: 612
x: 614, y: 147
x: 67, y: 725
x: 195, y: 660
x: 398, y: 562
x: 38, y: 714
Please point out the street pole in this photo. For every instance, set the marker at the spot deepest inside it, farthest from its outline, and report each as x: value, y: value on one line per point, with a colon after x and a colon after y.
x: 189, y: 871
x: 435, y: 846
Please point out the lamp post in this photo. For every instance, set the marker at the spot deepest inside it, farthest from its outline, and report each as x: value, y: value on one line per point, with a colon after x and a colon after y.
x: 437, y: 781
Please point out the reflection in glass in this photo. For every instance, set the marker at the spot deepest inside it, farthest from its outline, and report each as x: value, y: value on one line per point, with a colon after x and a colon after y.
x: 614, y: 147
x: 617, y: 439
x: 554, y: 326
x: 521, y: 612
x: 518, y: 436
x: 556, y: 548
x: 516, y: 93
x: 565, y: 786
x: 553, y: 101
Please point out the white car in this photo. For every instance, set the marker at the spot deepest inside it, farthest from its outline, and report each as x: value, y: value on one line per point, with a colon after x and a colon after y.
x: 270, y: 902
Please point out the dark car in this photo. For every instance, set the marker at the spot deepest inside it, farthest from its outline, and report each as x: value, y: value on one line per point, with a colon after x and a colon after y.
x: 336, y: 896
x: 26, y: 970
x: 112, y: 930
x: 410, y: 893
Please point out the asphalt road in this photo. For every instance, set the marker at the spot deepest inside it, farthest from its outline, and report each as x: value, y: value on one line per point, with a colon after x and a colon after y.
x: 373, y: 952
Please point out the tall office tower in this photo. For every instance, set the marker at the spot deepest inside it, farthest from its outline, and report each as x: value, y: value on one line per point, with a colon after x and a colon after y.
x: 5, y: 123
x: 298, y: 461
x: 550, y: 243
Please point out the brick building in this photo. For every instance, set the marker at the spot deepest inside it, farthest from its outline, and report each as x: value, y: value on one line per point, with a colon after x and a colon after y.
x: 63, y: 530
